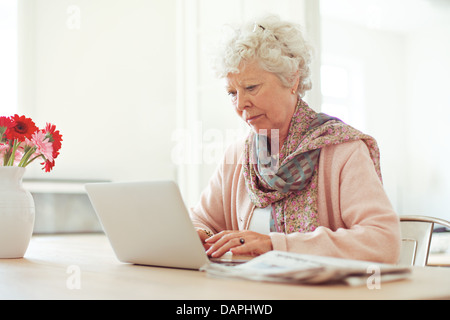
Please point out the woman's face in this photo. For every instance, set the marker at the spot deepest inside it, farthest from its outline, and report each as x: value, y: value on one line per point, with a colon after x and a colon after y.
x: 261, y: 100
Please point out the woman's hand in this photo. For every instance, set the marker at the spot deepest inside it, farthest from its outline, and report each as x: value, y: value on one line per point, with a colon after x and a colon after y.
x: 203, y: 234
x: 239, y: 243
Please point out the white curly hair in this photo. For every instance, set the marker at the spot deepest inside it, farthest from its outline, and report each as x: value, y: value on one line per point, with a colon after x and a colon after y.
x: 278, y: 46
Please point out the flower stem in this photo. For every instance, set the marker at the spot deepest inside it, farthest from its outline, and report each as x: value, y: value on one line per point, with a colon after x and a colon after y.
x: 32, y: 159
x: 24, y: 161
x: 12, y: 157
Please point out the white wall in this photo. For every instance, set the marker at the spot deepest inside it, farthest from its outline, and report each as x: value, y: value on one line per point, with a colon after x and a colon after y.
x: 379, y: 56
x: 104, y: 72
x: 8, y: 57
x: 406, y: 100
x: 427, y: 182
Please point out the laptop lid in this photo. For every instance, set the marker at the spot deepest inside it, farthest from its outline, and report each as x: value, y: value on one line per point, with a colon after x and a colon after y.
x: 147, y: 223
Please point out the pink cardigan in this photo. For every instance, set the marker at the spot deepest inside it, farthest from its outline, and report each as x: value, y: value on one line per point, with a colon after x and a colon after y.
x: 356, y: 218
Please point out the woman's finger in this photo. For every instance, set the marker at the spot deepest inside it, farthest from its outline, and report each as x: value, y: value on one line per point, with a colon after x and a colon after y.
x: 218, y: 236
x: 223, y: 242
x: 238, y: 242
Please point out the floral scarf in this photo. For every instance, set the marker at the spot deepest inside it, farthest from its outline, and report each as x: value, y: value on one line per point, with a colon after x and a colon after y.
x: 288, y: 180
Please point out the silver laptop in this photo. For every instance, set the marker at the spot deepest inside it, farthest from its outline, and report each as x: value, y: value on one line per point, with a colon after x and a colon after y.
x: 147, y: 223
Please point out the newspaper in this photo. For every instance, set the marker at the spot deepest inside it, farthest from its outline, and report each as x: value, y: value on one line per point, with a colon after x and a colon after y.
x: 278, y: 266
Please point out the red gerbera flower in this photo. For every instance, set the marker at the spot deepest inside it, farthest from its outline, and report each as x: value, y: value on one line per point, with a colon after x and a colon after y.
x: 54, y: 137
x: 48, y: 165
x: 21, y: 128
x: 5, y: 124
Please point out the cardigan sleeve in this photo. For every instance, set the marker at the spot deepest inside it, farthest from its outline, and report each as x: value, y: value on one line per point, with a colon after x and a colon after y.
x: 224, y: 204
x: 360, y: 221
x: 208, y: 214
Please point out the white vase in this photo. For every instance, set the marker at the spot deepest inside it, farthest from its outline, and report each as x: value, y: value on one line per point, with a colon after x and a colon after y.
x: 16, y: 213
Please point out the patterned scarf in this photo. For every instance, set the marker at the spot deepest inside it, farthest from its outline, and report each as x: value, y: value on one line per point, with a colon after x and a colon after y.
x: 288, y: 181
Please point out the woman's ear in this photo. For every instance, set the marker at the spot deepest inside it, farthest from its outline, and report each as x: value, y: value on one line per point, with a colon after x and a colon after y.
x: 294, y: 88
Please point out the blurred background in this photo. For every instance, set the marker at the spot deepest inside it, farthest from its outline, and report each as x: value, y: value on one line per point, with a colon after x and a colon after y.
x: 129, y: 85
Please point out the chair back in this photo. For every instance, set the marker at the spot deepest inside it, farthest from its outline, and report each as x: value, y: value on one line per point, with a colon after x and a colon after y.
x: 416, y: 232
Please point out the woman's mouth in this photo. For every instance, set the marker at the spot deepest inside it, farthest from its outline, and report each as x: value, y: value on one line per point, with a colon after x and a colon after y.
x: 253, y: 118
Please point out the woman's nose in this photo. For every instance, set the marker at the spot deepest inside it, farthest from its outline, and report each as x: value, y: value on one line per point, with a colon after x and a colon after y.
x: 242, y: 101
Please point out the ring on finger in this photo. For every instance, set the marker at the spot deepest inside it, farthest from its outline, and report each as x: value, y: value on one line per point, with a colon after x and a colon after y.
x: 242, y: 240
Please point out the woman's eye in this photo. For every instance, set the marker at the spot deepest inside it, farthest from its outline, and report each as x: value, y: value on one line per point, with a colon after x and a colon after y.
x: 232, y: 94
x: 251, y: 88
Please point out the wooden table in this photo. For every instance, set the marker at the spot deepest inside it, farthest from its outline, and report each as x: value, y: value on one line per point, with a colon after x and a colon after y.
x: 439, y: 259
x: 85, y: 267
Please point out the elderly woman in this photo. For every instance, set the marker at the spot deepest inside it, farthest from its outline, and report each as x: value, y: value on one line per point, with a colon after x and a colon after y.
x: 301, y: 181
